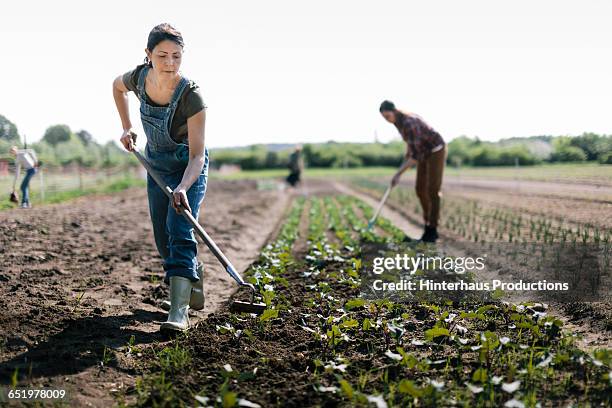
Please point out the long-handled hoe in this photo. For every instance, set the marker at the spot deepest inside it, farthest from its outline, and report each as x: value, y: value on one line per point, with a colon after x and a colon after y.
x: 380, y: 206
x: 236, y: 306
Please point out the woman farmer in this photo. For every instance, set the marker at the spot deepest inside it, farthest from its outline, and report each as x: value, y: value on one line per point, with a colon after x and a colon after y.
x: 426, y: 150
x: 173, y: 116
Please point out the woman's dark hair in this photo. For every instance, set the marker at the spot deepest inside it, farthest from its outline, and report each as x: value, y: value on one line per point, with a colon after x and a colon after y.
x: 160, y: 33
x: 387, y: 106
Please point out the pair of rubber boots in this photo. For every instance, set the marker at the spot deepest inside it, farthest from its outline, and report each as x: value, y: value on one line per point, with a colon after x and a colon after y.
x: 184, y: 294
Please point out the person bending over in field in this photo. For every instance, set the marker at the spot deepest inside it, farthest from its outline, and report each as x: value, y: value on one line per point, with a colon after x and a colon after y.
x: 296, y: 165
x: 173, y: 115
x: 27, y: 159
x: 426, y: 150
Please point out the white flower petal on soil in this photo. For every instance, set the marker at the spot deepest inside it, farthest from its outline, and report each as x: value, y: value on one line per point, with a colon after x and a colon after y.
x: 460, y: 329
x: 545, y: 362
x: 248, y: 404
x: 202, y: 400
x: 450, y: 317
x: 327, y: 389
x: 476, y: 348
x: 378, y: 400
x: 511, y: 387
x: 513, y: 403
x: 308, y: 329
x: 504, y: 340
x: 463, y: 341
x: 474, y: 388
x: 393, y: 356
x: 333, y: 366
x: 228, y: 368
x: 496, y: 380
x: 436, y: 384
x: 417, y: 342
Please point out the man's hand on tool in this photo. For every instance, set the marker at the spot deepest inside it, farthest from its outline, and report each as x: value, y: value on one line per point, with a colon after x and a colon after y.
x: 128, y: 139
x: 179, y: 199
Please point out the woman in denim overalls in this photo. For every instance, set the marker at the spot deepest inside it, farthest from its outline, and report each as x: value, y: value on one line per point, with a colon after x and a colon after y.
x: 183, y: 167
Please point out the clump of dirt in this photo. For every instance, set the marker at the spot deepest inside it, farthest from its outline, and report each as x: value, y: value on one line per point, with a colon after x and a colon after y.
x: 598, y: 315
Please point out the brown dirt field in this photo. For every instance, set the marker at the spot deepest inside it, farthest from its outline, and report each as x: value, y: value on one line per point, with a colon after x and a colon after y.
x: 572, y: 203
x: 83, y: 276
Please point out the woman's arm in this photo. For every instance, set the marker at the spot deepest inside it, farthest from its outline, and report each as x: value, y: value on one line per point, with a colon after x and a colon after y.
x: 195, y: 136
x: 128, y: 138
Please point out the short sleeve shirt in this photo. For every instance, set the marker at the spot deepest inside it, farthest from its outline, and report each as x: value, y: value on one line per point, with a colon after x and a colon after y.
x: 190, y: 103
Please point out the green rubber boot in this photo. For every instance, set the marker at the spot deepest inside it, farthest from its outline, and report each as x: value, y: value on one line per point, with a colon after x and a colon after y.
x: 178, y: 316
x: 196, y: 302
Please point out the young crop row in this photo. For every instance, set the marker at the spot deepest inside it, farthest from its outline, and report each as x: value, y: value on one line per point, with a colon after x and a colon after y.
x: 320, y: 342
x: 475, y: 222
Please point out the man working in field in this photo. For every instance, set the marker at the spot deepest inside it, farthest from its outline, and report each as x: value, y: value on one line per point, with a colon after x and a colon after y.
x: 426, y: 150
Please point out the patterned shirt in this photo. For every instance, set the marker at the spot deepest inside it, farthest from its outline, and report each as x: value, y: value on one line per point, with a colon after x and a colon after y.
x: 421, y: 138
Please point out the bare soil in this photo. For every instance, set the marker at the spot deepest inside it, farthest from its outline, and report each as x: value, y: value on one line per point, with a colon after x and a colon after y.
x: 85, y: 276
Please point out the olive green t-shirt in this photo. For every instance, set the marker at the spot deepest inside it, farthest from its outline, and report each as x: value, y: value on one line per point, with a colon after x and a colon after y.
x: 190, y: 103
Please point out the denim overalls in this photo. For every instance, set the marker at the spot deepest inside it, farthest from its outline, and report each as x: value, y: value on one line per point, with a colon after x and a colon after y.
x: 174, y: 236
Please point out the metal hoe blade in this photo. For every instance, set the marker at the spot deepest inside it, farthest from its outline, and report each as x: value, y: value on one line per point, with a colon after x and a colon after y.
x: 246, y: 307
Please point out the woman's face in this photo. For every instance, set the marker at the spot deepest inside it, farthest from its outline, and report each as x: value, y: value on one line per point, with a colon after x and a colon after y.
x: 166, y: 58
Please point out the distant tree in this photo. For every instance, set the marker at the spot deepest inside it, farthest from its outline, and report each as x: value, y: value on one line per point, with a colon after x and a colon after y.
x: 8, y: 130
x: 57, y: 134
x: 590, y: 143
x: 85, y: 137
x: 271, y: 160
x: 461, y: 150
x: 45, y: 152
x: 605, y: 158
x: 568, y: 153
x: 113, y: 155
x: 70, y: 151
x: 564, y: 150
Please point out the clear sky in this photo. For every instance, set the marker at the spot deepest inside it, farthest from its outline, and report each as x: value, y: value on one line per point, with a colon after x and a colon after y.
x: 288, y: 71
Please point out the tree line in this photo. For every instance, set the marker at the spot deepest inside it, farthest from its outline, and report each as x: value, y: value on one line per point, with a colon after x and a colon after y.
x: 462, y: 151
x: 60, y: 146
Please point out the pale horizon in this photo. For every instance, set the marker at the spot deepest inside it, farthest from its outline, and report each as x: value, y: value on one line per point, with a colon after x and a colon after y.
x: 281, y: 72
